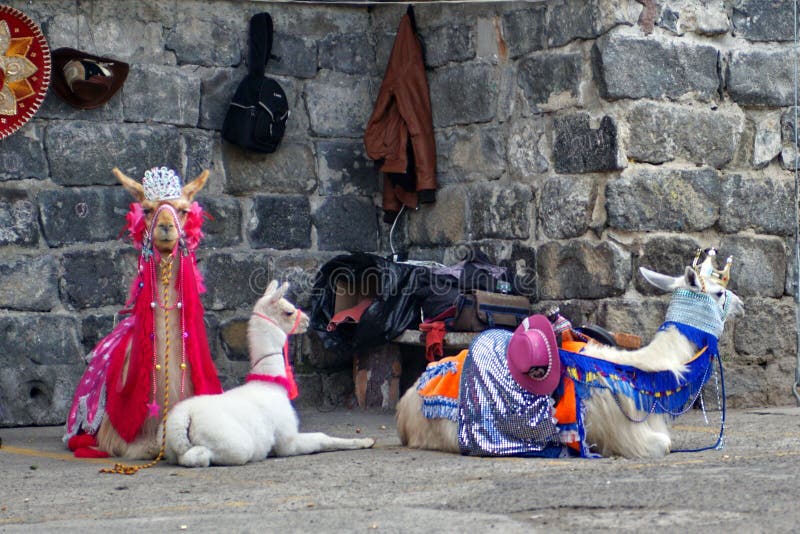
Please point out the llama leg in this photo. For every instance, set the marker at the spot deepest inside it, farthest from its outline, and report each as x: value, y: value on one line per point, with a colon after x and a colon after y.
x: 612, y: 433
x: 197, y: 456
x: 311, y: 442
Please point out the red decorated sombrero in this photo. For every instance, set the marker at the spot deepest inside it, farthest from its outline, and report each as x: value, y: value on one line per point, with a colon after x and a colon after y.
x: 24, y: 69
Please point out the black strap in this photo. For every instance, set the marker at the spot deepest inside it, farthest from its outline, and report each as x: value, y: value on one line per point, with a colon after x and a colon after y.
x: 260, y: 43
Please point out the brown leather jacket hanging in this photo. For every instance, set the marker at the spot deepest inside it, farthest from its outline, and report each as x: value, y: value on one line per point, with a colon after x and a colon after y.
x: 403, y: 113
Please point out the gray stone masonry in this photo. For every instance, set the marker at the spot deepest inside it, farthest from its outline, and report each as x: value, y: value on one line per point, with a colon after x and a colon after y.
x: 573, y: 145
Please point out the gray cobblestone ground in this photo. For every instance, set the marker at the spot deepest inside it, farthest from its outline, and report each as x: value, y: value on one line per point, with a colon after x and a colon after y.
x: 750, y: 485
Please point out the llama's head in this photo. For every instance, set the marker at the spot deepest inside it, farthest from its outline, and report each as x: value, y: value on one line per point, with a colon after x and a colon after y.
x: 164, y: 217
x: 280, y: 311
x: 730, y: 305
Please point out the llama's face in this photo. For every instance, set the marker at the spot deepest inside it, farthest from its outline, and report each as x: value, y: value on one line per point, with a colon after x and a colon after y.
x: 289, y: 318
x: 165, y: 233
x: 730, y: 304
x: 166, y: 230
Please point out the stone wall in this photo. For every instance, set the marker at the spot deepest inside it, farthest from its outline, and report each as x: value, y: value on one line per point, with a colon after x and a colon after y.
x: 577, y: 140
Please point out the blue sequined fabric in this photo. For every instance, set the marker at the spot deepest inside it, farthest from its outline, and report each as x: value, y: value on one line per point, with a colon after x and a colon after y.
x: 496, y: 416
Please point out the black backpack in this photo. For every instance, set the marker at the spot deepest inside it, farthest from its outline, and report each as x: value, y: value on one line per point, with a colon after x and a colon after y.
x: 256, y: 117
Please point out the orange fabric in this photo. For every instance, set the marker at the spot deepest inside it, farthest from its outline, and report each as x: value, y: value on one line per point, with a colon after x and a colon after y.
x: 566, y: 412
x: 572, y: 346
x: 565, y: 407
x: 446, y: 385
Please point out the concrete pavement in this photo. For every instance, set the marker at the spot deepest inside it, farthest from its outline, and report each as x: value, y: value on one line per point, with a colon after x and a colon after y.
x: 751, y: 485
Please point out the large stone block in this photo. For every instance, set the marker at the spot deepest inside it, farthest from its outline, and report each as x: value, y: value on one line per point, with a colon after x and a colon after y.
x: 526, y: 148
x: 82, y: 214
x: 22, y: 154
x: 453, y: 102
x: 524, y: 30
x: 522, y: 263
x: 469, y: 154
x: 37, y: 395
x: 763, y: 204
x: 280, y: 222
x: 93, y: 278
x: 29, y: 283
x: 764, y: 333
x: 582, y: 269
x: 54, y: 107
x: 500, y: 211
x: 757, y: 20
x: 298, y: 56
x: 551, y: 81
x: 345, y: 169
x: 566, y: 206
x: 34, y: 339
x: 629, y: 66
x: 290, y: 169
x: 235, y: 280
x: 203, y: 150
x: 640, y: 317
x: 233, y: 336
x: 702, y: 18
x: 133, y: 40
x: 444, y: 44
x: 668, y: 255
x: 133, y: 148
x: 41, y: 366
x: 761, y: 77
x: 670, y: 199
x: 314, y: 22
x: 209, y: 37
x: 19, y: 218
x: 347, y: 222
x: 162, y: 93
x: 767, y: 143
x: 351, y: 54
x: 217, y: 87
x: 789, y: 139
x: 577, y: 147
x: 570, y: 20
x: 224, y: 228
x: 94, y: 327
x: 338, y: 104
x: 759, y: 265
x: 659, y: 133
x: 442, y: 223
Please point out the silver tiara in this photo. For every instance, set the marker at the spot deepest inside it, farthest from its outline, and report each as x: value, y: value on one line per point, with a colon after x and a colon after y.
x: 161, y: 183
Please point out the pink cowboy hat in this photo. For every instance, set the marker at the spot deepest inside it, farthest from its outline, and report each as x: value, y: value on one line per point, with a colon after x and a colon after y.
x: 532, y: 356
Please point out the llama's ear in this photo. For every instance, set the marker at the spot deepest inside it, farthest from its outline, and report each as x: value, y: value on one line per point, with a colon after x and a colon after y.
x: 662, y: 281
x: 283, y: 289
x: 271, y: 288
x: 131, y: 186
x: 691, y: 278
x: 192, y: 188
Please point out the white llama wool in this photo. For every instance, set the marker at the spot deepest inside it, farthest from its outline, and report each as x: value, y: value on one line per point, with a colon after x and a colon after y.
x: 255, y: 420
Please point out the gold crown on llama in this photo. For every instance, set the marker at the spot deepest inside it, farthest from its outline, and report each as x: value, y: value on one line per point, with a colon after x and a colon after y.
x: 708, y: 270
x: 161, y: 183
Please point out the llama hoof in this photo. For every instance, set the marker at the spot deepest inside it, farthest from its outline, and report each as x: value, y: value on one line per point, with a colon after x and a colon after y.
x: 660, y: 445
x: 366, y: 443
x: 196, y: 457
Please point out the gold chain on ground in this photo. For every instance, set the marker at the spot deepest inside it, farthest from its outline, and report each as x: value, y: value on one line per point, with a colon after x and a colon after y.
x: 122, y: 469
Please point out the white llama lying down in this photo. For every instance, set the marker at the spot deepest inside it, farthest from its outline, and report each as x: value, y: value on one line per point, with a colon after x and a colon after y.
x: 255, y: 420
x: 609, y: 430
